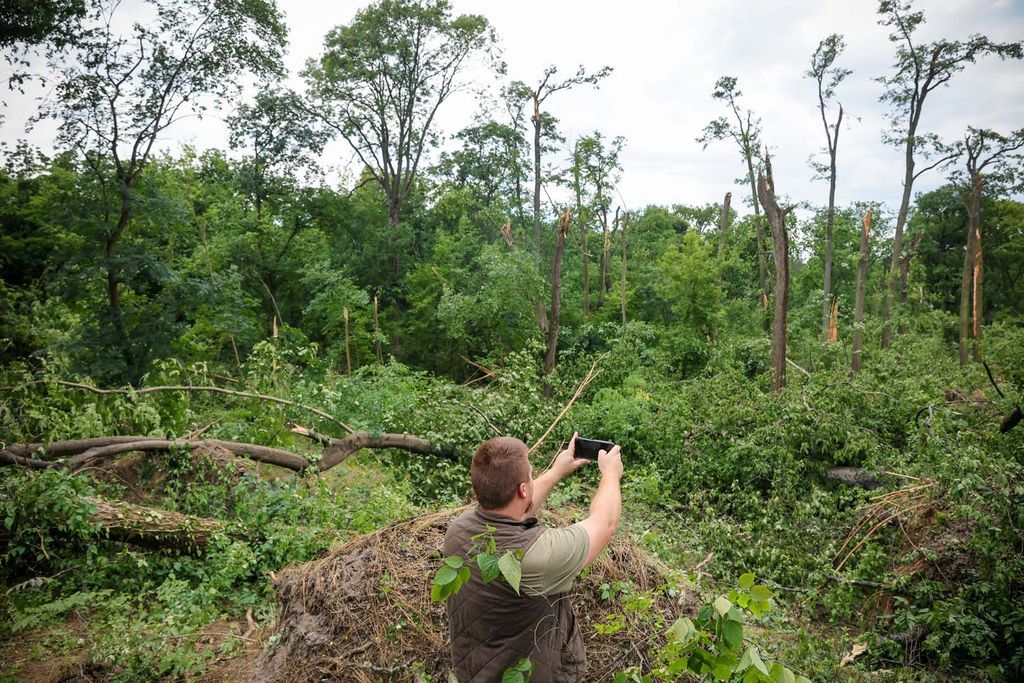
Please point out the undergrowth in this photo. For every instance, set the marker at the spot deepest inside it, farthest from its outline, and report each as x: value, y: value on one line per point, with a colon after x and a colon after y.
x: 721, y: 474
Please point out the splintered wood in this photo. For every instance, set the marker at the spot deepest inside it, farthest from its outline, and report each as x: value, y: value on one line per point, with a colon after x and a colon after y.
x: 885, y: 508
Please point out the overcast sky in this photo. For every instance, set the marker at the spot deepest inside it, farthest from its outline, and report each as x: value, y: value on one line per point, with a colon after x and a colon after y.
x: 666, y: 58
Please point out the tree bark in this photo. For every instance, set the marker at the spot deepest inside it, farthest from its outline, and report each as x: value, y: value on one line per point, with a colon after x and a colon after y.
x: 826, y: 304
x: 762, y: 273
x: 896, y: 281
x: 536, y: 175
x: 584, y: 230
x: 622, y: 281
x: 86, y: 451
x: 556, y: 300
x: 723, y: 223
x: 862, y: 276
x: 967, y: 275
x: 978, y: 303
x: 348, y: 352
x: 341, y: 449
x: 780, y: 241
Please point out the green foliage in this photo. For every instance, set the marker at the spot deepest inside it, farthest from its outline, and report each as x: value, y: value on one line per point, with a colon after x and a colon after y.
x: 716, y: 645
x: 520, y: 673
x: 453, y: 573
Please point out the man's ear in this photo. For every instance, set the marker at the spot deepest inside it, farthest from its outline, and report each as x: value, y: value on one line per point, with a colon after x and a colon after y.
x: 521, y: 490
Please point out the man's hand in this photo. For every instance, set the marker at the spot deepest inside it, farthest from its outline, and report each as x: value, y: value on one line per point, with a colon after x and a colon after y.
x: 610, y: 462
x: 566, y: 462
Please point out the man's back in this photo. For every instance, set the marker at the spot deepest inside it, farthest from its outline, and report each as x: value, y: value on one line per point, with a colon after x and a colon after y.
x: 492, y: 627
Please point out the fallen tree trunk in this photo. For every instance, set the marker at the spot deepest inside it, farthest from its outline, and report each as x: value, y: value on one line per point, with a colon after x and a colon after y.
x: 341, y: 449
x: 85, y: 451
x: 151, y: 527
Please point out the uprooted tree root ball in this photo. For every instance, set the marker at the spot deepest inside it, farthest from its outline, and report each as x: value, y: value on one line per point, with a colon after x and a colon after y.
x: 363, y: 612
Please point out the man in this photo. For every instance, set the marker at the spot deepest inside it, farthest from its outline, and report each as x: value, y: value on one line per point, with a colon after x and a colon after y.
x: 491, y: 626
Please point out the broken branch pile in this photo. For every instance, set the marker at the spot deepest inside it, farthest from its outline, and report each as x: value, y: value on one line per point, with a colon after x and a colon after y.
x: 363, y: 612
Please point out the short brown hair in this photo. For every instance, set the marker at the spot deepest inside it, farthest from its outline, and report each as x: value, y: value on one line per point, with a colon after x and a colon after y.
x: 499, y: 466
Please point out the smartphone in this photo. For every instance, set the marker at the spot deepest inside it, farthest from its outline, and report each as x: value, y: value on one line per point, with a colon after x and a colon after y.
x: 587, y: 448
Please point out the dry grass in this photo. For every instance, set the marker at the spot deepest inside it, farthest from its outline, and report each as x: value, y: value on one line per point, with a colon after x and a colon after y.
x: 363, y: 612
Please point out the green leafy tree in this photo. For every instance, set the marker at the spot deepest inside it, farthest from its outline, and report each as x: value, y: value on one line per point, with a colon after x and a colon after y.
x: 382, y: 79
x: 279, y: 138
x: 744, y: 129
x: 117, y: 93
x: 490, y: 162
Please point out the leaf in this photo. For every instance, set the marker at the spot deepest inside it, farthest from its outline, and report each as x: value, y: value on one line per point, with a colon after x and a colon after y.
x: 488, y: 564
x: 453, y: 562
x: 511, y: 569
x: 722, y: 605
x: 746, y: 581
x: 463, y: 578
x: 751, y: 658
x: 512, y: 676
x: 761, y: 593
x: 732, y: 632
x: 781, y: 674
x: 444, y: 576
x: 682, y: 630
x: 524, y: 665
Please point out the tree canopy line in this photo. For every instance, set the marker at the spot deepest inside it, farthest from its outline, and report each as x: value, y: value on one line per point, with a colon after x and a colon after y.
x: 444, y: 255
x: 460, y: 284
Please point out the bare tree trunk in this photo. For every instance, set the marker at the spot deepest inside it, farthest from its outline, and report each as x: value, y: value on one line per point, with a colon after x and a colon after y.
x: 967, y: 277
x: 556, y: 299
x: 762, y: 272
x: 723, y: 223
x: 584, y: 230
x: 605, y: 246
x: 536, y: 176
x: 376, y: 328
x: 862, y: 276
x: 826, y: 303
x: 780, y: 243
x: 622, y: 280
x: 979, y: 308
x: 348, y: 353
x: 896, y: 280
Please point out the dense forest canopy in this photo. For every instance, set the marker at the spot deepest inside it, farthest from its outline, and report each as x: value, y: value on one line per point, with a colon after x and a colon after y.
x: 819, y: 388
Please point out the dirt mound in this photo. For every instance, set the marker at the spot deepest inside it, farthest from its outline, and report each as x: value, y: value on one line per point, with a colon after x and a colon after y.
x: 363, y: 612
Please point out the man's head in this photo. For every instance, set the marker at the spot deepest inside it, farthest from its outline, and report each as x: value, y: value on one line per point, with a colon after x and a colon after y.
x: 502, y: 475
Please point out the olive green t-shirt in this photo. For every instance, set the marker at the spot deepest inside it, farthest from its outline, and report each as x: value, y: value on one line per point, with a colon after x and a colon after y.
x: 554, y: 560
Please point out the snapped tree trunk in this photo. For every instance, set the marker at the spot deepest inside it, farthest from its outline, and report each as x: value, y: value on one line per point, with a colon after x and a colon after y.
x: 978, y: 303
x: 622, y: 281
x: 897, y: 283
x: 605, y: 245
x: 862, y: 276
x: 556, y: 299
x: 584, y: 229
x: 967, y: 275
x: 762, y: 273
x: 536, y: 176
x: 826, y: 303
x: 780, y: 242
x: 723, y: 223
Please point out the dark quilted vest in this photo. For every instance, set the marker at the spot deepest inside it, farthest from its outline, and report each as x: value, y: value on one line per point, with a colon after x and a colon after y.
x: 492, y: 628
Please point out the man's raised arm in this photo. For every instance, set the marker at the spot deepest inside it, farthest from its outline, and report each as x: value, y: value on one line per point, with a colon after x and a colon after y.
x: 606, y: 507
